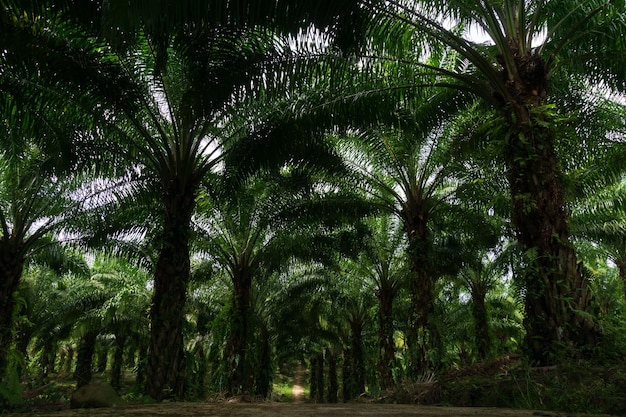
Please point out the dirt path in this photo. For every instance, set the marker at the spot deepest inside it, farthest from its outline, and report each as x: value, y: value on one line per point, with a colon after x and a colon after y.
x: 296, y: 410
x: 297, y: 391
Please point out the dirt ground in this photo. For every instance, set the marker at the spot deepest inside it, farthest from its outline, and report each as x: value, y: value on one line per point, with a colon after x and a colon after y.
x: 296, y: 410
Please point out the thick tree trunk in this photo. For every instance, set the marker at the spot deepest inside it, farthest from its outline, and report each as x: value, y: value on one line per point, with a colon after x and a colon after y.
x: 84, y: 361
x: 386, y: 350
x: 421, y: 286
x: 239, y: 372
x: 165, y: 373
x: 11, y: 267
x: 555, y: 287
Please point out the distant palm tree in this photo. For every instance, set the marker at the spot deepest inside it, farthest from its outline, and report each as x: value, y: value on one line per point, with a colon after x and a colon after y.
x: 383, y: 267
x: 252, y: 230
x: 407, y: 170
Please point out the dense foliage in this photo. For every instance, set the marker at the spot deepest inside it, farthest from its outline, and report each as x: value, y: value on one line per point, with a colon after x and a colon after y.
x: 208, y: 193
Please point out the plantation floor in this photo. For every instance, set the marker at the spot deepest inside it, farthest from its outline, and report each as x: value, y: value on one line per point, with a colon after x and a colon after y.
x: 297, y: 410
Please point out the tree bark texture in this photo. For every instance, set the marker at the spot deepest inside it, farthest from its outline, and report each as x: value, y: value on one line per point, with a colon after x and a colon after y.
x: 11, y: 267
x: 555, y: 287
x: 421, y: 285
x: 165, y: 373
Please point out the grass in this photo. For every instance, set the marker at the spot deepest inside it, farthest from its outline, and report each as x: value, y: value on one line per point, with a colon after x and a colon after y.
x: 283, y: 385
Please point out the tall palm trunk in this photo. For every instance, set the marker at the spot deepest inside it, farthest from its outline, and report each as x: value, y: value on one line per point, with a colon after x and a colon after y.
x: 317, y: 378
x: 239, y: 381
x: 421, y: 287
x: 481, y: 320
x: 386, y: 350
x: 333, y: 382
x: 554, y: 285
x: 165, y: 373
x: 84, y: 361
x: 357, y: 355
x: 11, y: 267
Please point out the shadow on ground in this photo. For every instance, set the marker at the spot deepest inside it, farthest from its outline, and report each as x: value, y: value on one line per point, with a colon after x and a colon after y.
x: 183, y: 409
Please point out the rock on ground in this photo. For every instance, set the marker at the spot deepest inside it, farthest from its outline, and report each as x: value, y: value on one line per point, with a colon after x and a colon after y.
x: 95, y: 395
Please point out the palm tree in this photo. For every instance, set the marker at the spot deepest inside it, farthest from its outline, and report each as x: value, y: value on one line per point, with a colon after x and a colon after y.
x: 36, y: 187
x: 254, y: 229
x: 172, y: 96
x: 40, y: 289
x: 384, y: 267
x: 522, y: 70
x: 407, y: 171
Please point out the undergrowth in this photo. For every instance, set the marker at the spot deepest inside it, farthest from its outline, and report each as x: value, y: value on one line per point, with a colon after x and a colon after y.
x: 575, y: 387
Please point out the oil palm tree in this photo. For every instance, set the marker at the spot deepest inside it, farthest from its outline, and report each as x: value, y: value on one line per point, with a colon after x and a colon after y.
x: 254, y: 229
x: 38, y: 180
x: 521, y: 72
x: 383, y: 267
x: 407, y: 170
x: 173, y: 99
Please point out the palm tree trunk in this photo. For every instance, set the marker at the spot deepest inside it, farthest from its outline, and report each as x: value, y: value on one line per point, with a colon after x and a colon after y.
x: 555, y: 287
x: 333, y: 383
x: 386, y: 351
x: 264, y: 379
x: 165, y: 373
x: 84, y: 361
x: 481, y: 321
x: 421, y: 287
x: 238, y: 382
x: 358, y: 356
x: 11, y: 267
x: 118, y: 360
x: 346, y: 376
x: 319, y: 376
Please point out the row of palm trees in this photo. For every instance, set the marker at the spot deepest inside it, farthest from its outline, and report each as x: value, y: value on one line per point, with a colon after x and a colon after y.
x: 265, y: 134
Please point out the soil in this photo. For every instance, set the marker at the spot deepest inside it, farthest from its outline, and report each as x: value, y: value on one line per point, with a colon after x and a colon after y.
x: 293, y: 409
